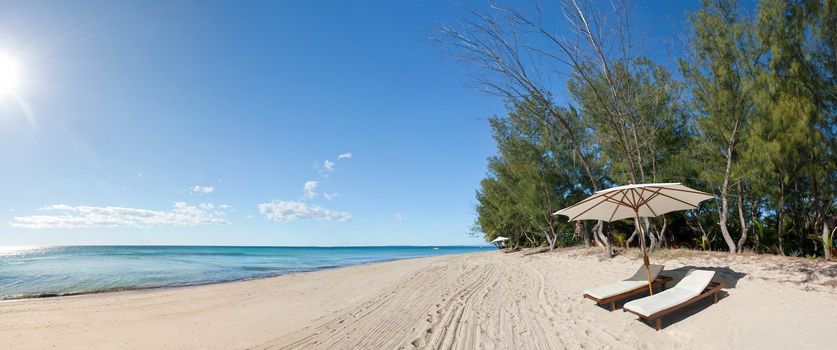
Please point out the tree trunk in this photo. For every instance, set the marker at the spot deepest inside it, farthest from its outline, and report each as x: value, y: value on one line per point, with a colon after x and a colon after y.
x: 661, y: 237
x: 631, y: 238
x: 551, y: 235
x: 704, y: 237
x: 599, y: 243
x: 780, y: 213
x: 551, y: 239
x: 743, y: 238
x: 753, y: 216
x: 722, y: 222
x: 652, y: 238
x: 581, y: 229
x: 530, y: 239
x: 826, y: 241
x: 599, y: 230
x: 636, y: 235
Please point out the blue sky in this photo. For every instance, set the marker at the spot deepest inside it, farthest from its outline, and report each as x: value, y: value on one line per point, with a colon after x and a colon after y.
x: 202, y: 123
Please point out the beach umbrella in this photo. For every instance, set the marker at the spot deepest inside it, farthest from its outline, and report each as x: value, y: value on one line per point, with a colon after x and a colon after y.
x: 500, y: 242
x: 636, y: 201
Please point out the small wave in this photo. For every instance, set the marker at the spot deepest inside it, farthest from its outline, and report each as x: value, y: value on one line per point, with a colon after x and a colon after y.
x: 67, y: 271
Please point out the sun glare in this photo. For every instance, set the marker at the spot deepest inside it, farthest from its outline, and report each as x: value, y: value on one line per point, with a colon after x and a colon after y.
x: 9, y: 76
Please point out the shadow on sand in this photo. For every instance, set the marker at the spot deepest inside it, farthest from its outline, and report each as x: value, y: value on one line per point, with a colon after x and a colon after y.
x: 722, y: 274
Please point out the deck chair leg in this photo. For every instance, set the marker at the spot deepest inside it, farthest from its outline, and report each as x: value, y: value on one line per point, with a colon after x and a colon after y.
x: 613, y: 306
x: 659, y: 324
x: 715, y: 295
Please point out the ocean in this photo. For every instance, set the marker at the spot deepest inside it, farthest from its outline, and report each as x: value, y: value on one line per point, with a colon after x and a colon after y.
x: 27, y: 272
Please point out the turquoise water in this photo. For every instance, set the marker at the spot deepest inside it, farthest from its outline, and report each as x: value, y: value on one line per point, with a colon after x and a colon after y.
x: 49, y: 271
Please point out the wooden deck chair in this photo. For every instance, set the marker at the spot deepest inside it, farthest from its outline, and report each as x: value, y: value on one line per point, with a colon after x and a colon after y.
x: 638, y: 283
x: 696, y: 285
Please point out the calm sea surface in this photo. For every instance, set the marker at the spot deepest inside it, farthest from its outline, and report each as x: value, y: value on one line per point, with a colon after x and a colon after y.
x: 46, y: 271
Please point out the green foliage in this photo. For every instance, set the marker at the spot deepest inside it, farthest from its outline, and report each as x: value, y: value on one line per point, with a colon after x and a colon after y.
x: 703, y: 242
x: 619, y: 238
x: 566, y: 239
x: 754, y: 118
x: 791, y: 142
x: 637, y: 134
x: 533, y: 175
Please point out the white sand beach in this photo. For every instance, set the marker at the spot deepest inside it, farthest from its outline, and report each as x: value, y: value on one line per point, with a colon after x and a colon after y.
x: 472, y: 301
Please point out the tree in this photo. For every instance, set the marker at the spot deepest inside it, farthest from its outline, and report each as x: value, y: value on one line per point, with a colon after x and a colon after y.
x: 793, y: 138
x: 613, y: 85
x: 719, y: 75
x: 638, y: 142
x: 753, y: 118
x: 531, y: 177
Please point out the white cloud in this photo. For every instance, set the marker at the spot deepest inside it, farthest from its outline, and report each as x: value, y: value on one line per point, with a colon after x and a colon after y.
x: 287, y: 211
x: 331, y: 196
x: 182, y: 214
x: 202, y: 189
x: 399, y: 217
x: 328, y: 166
x: 347, y: 155
x: 308, y: 189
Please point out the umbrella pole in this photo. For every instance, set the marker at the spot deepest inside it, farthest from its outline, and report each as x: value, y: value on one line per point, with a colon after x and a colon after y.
x: 644, y: 252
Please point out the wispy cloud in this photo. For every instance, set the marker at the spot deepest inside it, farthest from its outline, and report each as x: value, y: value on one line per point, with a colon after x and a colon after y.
x: 327, y: 166
x: 308, y: 189
x: 399, y: 217
x: 69, y: 217
x: 331, y: 196
x: 287, y: 211
x: 202, y: 189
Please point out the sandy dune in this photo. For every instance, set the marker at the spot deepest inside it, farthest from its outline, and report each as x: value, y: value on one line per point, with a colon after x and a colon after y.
x: 474, y: 301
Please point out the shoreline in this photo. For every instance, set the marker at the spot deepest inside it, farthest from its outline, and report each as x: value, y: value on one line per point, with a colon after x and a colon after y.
x: 167, y: 287
x: 486, y: 300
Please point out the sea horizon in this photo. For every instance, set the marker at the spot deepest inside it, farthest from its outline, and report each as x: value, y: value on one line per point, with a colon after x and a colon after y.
x: 49, y: 271
x: 243, y: 245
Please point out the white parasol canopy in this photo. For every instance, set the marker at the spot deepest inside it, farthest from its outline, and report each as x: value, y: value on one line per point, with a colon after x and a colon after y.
x: 631, y: 201
x: 499, y: 239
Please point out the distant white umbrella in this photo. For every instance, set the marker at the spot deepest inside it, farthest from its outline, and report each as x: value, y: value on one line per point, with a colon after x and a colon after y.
x: 500, y: 242
x: 643, y: 200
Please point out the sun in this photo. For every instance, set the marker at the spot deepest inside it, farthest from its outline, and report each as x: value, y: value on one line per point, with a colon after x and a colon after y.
x: 9, y: 76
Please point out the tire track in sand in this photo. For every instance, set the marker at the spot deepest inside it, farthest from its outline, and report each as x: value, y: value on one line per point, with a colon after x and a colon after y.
x: 482, y: 301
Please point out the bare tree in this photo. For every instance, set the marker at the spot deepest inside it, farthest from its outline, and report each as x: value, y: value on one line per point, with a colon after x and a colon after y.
x: 515, y: 52
x: 741, y: 218
x: 494, y: 47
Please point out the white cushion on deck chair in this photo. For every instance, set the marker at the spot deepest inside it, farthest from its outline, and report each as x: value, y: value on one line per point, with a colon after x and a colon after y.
x: 689, y: 287
x: 639, y: 279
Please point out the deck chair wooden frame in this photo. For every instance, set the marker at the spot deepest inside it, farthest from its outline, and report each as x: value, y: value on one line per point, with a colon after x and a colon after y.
x: 712, y: 289
x: 660, y: 281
